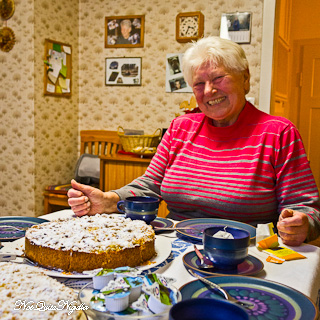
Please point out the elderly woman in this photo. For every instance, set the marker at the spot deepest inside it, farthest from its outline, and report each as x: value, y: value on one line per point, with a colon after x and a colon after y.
x: 231, y: 161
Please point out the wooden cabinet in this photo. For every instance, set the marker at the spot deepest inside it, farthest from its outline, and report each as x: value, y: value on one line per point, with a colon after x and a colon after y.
x: 119, y: 170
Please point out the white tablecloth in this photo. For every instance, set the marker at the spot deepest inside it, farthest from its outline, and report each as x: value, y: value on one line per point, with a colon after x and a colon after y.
x: 302, y: 275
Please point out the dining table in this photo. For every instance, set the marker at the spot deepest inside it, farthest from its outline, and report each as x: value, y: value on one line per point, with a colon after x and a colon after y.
x: 302, y: 275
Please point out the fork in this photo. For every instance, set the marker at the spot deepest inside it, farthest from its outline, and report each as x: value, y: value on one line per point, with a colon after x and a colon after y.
x: 224, y: 293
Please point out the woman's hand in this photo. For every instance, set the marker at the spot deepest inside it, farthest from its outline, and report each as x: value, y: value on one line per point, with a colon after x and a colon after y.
x: 84, y: 199
x: 293, y: 227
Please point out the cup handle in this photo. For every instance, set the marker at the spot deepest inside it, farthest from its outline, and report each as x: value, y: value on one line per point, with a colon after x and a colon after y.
x: 120, y: 206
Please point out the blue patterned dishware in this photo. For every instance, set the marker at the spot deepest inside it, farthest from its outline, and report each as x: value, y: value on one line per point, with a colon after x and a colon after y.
x: 226, y: 253
x: 207, y: 309
x: 139, y: 208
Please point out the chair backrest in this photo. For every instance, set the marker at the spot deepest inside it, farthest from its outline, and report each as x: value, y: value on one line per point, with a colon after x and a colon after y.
x: 100, y: 142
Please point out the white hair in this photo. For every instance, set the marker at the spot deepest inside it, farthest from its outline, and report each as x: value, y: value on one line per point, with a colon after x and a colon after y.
x: 126, y: 23
x: 215, y: 51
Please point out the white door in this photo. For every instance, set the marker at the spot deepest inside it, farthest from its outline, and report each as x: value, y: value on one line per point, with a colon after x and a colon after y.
x: 309, y: 111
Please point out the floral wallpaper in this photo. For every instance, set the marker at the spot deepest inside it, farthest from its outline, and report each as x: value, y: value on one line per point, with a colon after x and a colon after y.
x: 55, y: 118
x: 148, y: 106
x: 38, y: 134
x: 39, y: 141
x: 17, y: 116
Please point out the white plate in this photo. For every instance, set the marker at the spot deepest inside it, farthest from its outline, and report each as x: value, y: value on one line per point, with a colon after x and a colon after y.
x: 162, y: 246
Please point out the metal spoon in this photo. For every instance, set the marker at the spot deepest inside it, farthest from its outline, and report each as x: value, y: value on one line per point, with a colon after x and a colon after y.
x: 202, y: 264
x: 223, y: 292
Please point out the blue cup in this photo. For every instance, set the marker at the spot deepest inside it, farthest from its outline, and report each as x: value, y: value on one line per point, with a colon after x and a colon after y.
x: 139, y: 208
x: 207, y: 309
x: 226, y: 253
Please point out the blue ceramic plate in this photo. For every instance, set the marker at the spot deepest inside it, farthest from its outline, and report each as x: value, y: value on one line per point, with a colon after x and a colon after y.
x: 271, y: 300
x: 161, y: 223
x: 198, y: 225
x: 7, y: 234
x: 250, y: 266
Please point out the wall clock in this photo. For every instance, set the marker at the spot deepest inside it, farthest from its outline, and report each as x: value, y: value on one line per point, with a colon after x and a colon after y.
x: 189, y: 26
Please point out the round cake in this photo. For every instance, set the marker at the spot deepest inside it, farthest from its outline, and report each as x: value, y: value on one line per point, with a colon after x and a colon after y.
x: 90, y: 242
x: 26, y: 293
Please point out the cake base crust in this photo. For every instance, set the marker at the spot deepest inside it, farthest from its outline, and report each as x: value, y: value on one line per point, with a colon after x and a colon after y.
x: 90, y: 242
x: 80, y: 261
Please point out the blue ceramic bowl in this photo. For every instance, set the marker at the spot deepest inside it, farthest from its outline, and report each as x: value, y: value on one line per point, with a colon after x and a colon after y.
x: 226, y: 253
x: 139, y: 208
x: 207, y: 309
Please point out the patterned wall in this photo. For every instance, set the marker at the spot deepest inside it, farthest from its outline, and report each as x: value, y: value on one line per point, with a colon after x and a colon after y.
x: 56, y: 118
x: 39, y: 134
x: 17, y: 115
x: 148, y: 106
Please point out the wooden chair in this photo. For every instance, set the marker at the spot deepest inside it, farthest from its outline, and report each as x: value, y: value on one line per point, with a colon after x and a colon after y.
x: 97, y: 142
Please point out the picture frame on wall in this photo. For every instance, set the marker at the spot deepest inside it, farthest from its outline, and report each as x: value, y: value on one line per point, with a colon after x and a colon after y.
x: 236, y: 26
x: 174, y: 77
x: 124, y: 31
x: 123, y: 71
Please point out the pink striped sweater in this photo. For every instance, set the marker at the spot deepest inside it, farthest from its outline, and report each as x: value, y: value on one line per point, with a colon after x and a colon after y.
x: 247, y: 172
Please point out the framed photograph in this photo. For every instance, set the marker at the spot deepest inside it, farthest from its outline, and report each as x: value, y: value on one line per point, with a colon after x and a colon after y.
x: 236, y: 26
x: 123, y: 71
x: 124, y: 32
x: 174, y: 78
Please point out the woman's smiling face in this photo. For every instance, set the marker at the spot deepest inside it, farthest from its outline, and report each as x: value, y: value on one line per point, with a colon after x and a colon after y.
x: 220, y: 94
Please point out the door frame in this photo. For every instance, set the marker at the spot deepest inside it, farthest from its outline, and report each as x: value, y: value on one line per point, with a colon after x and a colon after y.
x: 269, y: 8
x: 296, y: 67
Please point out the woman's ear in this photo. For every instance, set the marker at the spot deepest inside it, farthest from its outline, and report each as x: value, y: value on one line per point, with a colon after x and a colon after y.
x: 246, y: 79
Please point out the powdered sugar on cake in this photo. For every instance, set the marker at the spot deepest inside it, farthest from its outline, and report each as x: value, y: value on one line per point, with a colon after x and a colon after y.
x: 25, y: 292
x: 99, y: 232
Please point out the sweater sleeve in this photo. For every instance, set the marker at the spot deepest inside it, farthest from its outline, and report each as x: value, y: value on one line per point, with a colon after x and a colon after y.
x: 149, y: 184
x: 295, y: 185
